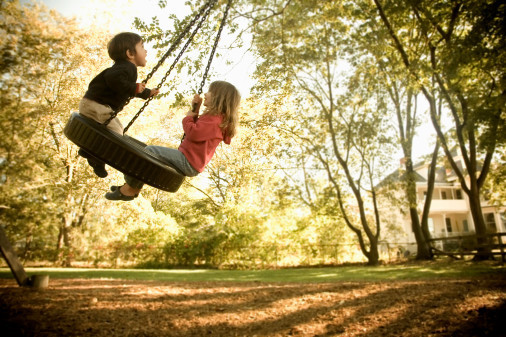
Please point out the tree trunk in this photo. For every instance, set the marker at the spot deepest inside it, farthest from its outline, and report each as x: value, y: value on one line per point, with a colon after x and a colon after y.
x: 428, y: 198
x: 373, y: 253
x: 63, y: 244
x: 480, y: 226
x: 423, y: 248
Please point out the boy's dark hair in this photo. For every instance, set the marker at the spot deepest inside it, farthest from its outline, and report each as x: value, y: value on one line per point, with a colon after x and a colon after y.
x: 120, y: 43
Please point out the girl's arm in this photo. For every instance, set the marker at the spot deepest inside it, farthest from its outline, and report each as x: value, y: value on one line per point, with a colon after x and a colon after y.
x: 195, y: 107
x: 203, y: 129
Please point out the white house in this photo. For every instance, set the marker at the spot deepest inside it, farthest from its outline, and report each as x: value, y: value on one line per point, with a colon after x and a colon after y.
x: 450, y: 213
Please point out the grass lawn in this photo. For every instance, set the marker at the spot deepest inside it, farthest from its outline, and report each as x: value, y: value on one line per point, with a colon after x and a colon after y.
x: 408, y: 271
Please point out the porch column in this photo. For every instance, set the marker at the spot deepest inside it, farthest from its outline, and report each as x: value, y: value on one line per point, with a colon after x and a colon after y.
x: 444, y: 225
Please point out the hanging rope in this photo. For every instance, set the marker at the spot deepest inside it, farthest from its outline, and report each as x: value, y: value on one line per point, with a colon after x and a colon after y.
x: 204, y: 13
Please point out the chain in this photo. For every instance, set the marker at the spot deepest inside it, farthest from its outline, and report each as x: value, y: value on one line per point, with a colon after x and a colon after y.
x: 176, y: 60
x: 204, y: 12
x: 222, y: 24
x: 205, y: 9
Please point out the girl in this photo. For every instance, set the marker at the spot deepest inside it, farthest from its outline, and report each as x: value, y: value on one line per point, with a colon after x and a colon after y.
x: 217, y: 123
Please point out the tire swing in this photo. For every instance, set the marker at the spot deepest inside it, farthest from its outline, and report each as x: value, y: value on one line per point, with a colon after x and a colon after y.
x: 127, y: 154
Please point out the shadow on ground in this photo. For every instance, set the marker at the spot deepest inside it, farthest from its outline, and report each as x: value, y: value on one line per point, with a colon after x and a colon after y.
x: 472, y: 307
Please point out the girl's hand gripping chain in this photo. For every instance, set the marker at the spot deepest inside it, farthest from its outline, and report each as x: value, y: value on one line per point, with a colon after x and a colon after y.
x: 196, y: 102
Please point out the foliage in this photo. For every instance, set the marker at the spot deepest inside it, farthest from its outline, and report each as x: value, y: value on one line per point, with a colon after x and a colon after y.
x: 315, y: 137
x: 51, y: 201
x: 339, y: 120
x: 33, y: 46
x: 496, y: 184
x: 460, y: 60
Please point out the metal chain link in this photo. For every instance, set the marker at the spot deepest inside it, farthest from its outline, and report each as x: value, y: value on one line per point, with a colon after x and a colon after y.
x: 176, y: 60
x: 216, y: 40
x: 222, y: 24
x: 204, y: 10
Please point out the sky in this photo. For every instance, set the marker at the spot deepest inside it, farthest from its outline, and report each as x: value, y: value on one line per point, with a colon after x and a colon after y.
x: 118, y: 16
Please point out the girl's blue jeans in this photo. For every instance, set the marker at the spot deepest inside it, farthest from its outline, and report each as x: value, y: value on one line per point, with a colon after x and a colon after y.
x: 171, y: 157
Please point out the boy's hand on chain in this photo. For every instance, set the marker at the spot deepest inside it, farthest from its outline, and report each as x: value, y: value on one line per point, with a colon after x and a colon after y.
x: 140, y: 87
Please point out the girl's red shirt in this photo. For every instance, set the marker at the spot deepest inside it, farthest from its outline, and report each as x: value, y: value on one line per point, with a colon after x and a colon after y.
x: 202, y: 138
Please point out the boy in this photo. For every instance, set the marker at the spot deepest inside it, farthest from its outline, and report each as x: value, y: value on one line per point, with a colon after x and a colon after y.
x: 111, y: 89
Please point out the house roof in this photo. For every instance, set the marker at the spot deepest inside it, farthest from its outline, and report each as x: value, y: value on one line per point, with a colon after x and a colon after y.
x: 397, y: 176
x: 443, y: 175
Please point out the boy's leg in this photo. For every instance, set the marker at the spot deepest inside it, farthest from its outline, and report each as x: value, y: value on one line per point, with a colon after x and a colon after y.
x: 115, y: 126
x: 100, y: 113
x: 97, y: 165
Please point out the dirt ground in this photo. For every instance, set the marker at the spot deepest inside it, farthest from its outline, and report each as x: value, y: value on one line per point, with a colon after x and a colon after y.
x: 79, y: 307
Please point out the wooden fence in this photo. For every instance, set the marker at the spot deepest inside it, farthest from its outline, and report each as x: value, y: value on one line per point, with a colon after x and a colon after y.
x: 492, y: 244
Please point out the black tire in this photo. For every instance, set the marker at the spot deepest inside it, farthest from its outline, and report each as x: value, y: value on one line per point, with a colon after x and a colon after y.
x: 124, y: 153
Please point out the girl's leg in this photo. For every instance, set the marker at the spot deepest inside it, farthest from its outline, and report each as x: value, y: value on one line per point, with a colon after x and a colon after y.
x: 170, y: 156
x: 123, y: 193
x: 133, y: 186
x: 173, y: 158
x: 134, y: 183
x: 129, y: 190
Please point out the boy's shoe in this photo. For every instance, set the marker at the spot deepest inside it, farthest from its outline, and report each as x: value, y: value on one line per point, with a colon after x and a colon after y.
x: 98, y: 166
x: 83, y: 153
x: 117, y: 195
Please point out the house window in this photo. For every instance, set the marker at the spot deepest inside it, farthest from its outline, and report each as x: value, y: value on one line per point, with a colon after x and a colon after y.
x: 448, y: 225
x: 459, y: 194
x: 465, y: 225
x: 490, y: 222
x: 443, y: 195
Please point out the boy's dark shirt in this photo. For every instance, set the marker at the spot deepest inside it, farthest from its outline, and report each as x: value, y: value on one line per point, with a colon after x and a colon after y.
x: 115, y: 85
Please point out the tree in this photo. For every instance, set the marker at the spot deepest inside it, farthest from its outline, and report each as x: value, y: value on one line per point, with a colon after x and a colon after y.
x: 341, y: 131
x: 465, y: 55
x: 29, y: 46
x: 48, y: 190
x: 386, y: 67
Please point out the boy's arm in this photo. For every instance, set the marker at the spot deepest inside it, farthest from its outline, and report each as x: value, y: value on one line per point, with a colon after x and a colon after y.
x: 146, y: 93
x: 118, y: 79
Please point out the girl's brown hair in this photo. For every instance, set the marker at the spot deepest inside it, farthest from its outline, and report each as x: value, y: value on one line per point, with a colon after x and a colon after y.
x: 225, y: 101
